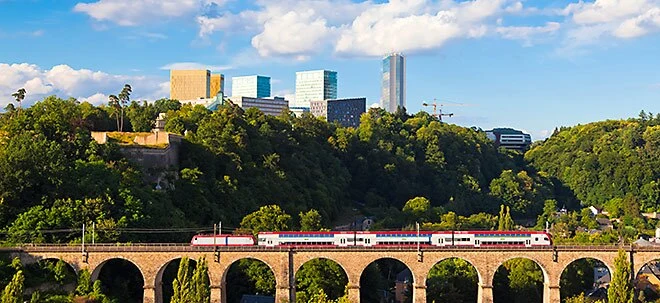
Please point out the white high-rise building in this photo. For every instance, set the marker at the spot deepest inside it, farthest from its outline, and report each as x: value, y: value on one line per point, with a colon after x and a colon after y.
x: 394, y: 83
x: 314, y: 86
x: 251, y: 86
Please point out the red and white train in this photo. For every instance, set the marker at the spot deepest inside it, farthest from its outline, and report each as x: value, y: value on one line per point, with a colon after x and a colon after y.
x: 380, y: 239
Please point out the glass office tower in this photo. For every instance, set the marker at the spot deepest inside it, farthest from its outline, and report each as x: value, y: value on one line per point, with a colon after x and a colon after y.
x: 394, y: 83
x: 315, y: 86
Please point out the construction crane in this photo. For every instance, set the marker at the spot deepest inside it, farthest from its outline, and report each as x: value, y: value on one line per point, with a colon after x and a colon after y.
x: 437, y: 110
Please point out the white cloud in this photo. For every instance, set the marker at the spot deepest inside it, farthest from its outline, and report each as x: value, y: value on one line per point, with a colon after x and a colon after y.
x: 416, y: 25
x: 600, y: 19
x: 96, y: 99
x: 298, y: 29
x: 134, y: 12
x: 288, y: 28
x: 65, y: 81
x: 196, y: 65
x: 527, y: 33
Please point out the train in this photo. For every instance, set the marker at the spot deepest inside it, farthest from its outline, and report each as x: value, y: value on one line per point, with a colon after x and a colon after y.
x: 479, y: 238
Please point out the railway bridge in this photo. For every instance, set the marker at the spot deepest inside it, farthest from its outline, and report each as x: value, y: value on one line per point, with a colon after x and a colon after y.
x: 152, y: 259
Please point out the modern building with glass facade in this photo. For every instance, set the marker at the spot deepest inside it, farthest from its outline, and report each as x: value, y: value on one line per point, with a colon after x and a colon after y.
x: 394, y: 83
x: 510, y: 138
x: 217, y: 84
x: 251, y: 86
x: 269, y: 106
x: 346, y: 112
x: 190, y: 84
x: 315, y: 85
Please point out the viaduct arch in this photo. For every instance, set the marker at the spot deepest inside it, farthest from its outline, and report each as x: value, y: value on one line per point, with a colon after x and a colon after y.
x: 284, y: 263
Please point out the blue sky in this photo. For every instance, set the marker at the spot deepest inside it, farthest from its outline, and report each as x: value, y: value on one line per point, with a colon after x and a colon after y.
x: 533, y: 65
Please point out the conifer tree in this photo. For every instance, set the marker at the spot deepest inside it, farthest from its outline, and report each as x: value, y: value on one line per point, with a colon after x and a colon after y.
x: 500, y: 219
x: 620, y: 290
x: 181, y: 284
x: 13, y: 292
x: 508, y: 221
x: 201, y: 292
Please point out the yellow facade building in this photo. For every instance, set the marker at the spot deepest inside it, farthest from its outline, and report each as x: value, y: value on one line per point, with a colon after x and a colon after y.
x: 190, y: 84
x: 217, y: 84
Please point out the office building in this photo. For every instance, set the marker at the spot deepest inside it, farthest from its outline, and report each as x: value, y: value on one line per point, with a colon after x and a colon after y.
x: 217, y: 84
x: 510, y: 138
x: 251, y: 86
x: 346, y: 112
x: 315, y: 85
x: 269, y: 106
x: 190, y: 84
x: 394, y: 83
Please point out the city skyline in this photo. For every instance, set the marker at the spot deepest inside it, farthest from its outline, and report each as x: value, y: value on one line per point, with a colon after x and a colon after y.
x: 532, y: 65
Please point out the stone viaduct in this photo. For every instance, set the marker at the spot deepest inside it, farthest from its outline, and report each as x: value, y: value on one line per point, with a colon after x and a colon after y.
x: 152, y: 260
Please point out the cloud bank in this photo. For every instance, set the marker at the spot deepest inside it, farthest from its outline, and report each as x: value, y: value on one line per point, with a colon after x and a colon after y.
x: 65, y: 81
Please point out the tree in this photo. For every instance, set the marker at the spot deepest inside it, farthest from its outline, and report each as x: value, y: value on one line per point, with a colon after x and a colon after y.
x: 267, y: 218
x: 85, y: 286
x: 620, y: 290
x: 310, y: 221
x: 549, y: 210
x: 320, y: 275
x: 182, y: 284
x: 500, y: 218
x: 36, y: 297
x: 124, y: 98
x: 201, y: 283
x: 452, y: 280
x: 508, y: 221
x: 19, y: 95
x: 505, y: 222
x: 13, y: 292
x: 417, y: 208
x: 115, y: 105
x: 60, y: 272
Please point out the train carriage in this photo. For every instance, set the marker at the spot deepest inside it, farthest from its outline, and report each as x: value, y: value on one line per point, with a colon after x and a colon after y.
x: 222, y: 240
x: 306, y: 238
x: 381, y: 239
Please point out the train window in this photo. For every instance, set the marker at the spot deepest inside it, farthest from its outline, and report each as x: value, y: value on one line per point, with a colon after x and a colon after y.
x: 536, y: 239
x: 545, y: 238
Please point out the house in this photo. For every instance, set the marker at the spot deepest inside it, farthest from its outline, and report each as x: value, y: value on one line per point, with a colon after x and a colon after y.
x: 647, y: 278
x: 363, y: 223
x: 604, y: 223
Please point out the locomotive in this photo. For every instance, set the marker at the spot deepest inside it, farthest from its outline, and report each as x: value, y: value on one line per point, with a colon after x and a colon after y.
x: 380, y: 239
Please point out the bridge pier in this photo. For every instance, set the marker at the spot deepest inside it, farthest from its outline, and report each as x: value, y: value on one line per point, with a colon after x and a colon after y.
x: 419, y: 293
x: 283, y: 294
x: 217, y: 294
x: 484, y: 293
x: 551, y: 293
x: 353, y: 292
x: 149, y: 295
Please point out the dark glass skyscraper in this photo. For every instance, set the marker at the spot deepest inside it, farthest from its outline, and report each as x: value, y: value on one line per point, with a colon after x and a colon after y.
x: 394, y: 83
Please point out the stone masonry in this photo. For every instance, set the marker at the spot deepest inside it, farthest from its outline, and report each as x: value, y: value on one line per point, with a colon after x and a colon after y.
x: 284, y: 264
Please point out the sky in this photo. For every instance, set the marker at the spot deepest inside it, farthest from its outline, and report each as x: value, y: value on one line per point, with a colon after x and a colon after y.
x: 532, y: 65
